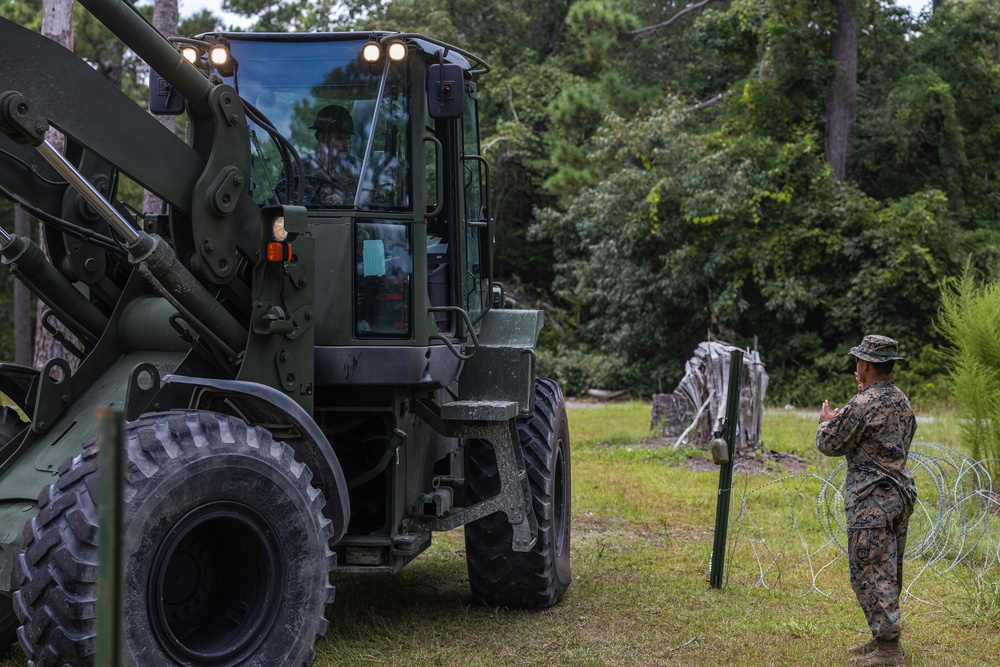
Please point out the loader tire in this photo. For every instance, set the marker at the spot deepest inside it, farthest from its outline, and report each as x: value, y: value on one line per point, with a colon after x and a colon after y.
x: 227, y: 551
x: 10, y: 425
x: 8, y: 624
x: 498, y: 575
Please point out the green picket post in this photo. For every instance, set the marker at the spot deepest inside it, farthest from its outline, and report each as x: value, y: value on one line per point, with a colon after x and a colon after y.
x: 111, y: 541
x: 726, y: 471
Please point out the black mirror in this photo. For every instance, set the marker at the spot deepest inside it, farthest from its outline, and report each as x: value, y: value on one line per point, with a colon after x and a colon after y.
x: 164, y: 98
x: 445, y: 91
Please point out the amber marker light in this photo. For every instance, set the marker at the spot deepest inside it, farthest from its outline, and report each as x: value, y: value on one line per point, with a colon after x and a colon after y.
x: 279, y: 252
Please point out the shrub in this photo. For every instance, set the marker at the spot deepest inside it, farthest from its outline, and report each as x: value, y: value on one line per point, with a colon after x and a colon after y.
x: 970, y: 320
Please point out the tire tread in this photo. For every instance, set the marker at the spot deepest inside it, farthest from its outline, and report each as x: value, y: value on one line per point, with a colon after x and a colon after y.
x: 498, y: 575
x: 55, y: 577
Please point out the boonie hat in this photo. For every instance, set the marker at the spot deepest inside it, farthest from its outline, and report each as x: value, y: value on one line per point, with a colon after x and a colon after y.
x: 333, y: 118
x: 877, y: 349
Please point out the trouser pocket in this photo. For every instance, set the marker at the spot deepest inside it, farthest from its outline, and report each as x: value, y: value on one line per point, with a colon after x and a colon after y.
x: 868, y: 529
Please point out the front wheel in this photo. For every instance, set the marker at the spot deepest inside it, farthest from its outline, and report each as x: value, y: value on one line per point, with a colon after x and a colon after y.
x: 227, y: 551
x: 498, y: 575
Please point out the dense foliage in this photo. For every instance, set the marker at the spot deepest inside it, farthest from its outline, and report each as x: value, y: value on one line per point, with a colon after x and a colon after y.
x: 693, y: 198
x: 970, y: 320
x: 660, y: 176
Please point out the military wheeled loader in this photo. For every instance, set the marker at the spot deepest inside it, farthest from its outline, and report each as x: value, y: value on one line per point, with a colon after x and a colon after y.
x: 315, y: 366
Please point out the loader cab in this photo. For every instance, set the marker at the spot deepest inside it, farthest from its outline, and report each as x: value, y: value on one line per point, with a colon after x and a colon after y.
x: 377, y: 136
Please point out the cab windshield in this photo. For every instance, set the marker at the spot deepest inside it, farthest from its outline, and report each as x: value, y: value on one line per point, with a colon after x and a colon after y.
x: 345, y: 118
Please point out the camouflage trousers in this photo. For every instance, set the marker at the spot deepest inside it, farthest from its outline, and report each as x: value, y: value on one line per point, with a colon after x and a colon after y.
x: 876, y: 539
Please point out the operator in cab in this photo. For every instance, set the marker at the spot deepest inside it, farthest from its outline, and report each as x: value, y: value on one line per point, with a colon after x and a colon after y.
x: 332, y: 173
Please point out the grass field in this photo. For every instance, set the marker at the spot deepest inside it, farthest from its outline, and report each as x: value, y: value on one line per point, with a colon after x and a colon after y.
x: 642, y: 539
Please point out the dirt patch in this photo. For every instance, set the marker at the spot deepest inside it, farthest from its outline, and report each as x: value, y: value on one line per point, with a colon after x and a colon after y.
x: 763, y: 459
x: 767, y: 460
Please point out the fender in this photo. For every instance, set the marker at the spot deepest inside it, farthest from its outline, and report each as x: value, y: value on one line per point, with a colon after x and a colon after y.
x: 263, y: 405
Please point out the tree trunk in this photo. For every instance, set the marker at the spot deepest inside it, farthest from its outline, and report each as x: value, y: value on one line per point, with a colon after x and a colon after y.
x: 165, y: 19
x: 23, y: 348
x: 57, y: 21
x: 844, y: 90
x: 57, y: 25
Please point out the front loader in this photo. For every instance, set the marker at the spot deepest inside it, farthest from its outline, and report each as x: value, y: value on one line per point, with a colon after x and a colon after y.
x: 314, y: 363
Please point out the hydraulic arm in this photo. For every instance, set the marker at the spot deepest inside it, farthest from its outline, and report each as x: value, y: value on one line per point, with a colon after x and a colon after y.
x: 47, y: 86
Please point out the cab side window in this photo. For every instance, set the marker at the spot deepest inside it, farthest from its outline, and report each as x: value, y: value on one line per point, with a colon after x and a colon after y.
x: 383, y: 281
x: 475, y: 209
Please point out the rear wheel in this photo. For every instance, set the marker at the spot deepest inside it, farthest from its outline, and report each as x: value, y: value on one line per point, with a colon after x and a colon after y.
x: 498, y: 575
x: 227, y: 551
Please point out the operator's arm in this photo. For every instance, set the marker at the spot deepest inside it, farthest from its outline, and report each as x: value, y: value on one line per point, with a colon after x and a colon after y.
x: 842, y: 433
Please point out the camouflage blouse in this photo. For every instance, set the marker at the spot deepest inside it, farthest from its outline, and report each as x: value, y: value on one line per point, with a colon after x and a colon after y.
x: 873, y: 431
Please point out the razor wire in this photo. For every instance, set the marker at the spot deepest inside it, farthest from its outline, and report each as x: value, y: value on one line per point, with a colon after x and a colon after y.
x: 954, y: 531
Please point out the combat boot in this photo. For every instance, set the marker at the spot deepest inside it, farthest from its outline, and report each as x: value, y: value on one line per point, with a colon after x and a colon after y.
x: 864, y: 649
x: 868, y: 647
x: 887, y: 652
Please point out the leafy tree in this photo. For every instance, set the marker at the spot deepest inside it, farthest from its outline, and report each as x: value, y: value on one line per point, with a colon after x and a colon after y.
x: 550, y: 93
x: 669, y: 170
x: 24, y: 12
x: 934, y: 117
x: 738, y: 237
x: 288, y: 15
x: 429, y: 18
x: 970, y: 319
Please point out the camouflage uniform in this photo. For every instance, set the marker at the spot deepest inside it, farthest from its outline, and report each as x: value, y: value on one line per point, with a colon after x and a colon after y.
x: 331, y: 180
x: 874, y: 431
x: 339, y: 180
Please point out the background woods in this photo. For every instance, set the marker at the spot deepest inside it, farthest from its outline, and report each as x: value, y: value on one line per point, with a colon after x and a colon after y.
x: 795, y: 172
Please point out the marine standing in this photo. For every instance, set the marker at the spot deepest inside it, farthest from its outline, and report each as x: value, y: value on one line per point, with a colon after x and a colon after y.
x: 873, y: 431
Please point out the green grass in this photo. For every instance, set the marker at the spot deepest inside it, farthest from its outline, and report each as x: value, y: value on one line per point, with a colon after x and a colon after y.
x: 642, y: 540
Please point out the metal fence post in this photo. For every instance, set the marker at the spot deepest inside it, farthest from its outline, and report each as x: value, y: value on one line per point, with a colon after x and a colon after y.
x: 111, y: 541
x: 726, y: 471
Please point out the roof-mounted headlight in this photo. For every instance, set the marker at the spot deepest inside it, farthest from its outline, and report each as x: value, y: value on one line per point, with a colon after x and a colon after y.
x: 207, y: 55
x: 371, y: 52
x: 221, y: 59
x: 397, y: 50
x: 219, y: 55
x: 190, y: 54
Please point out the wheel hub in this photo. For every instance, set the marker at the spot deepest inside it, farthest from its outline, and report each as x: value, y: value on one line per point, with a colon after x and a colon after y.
x: 215, y: 585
